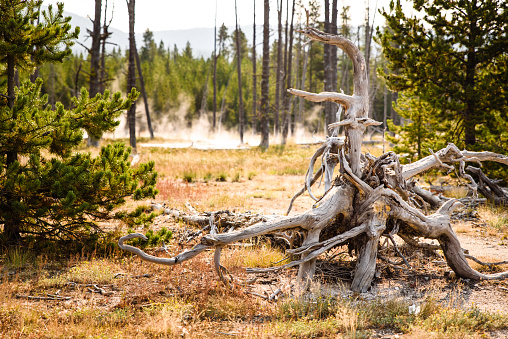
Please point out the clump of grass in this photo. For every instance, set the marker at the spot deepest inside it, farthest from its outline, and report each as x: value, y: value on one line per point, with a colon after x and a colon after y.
x: 189, y: 176
x: 262, y: 195
x: 319, y: 307
x: 495, y: 217
x: 222, y: 176
x: 84, y: 272
x: 251, y: 175
x: 224, y: 201
x: 255, y: 256
x: 236, y: 177
x: 288, y: 170
x: 456, y: 321
x: 207, y: 177
x: 18, y: 257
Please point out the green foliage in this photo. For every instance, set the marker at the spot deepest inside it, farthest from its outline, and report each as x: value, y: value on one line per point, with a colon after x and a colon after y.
x: 452, y: 56
x: 47, y: 189
x: 418, y: 134
x: 161, y: 236
x: 29, y: 43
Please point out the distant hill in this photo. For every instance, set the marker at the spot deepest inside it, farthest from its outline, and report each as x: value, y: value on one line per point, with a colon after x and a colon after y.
x: 201, y: 39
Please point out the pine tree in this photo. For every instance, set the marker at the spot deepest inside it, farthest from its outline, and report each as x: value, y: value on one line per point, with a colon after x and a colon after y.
x: 413, y: 139
x: 453, y: 56
x: 47, y: 189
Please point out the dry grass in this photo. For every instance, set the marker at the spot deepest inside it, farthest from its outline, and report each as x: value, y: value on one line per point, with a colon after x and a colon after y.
x: 255, y: 256
x: 496, y: 218
x: 187, y: 300
x: 228, y: 165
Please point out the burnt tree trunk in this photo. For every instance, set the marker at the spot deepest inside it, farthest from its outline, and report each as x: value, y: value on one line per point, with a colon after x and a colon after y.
x: 145, y: 98
x: 131, y: 74
x: 265, y: 77
x: 239, y: 70
x: 95, y: 59
x: 254, y: 75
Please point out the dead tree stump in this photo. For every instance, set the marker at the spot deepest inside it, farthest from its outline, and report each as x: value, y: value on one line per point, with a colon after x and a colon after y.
x: 369, y: 198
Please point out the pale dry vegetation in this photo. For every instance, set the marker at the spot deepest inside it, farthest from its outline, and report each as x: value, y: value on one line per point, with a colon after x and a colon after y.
x: 142, y: 300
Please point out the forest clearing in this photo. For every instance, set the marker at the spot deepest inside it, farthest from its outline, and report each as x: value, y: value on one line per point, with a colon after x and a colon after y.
x: 116, y: 295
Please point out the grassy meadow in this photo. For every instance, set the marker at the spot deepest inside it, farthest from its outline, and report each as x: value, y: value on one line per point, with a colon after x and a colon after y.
x: 98, y: 294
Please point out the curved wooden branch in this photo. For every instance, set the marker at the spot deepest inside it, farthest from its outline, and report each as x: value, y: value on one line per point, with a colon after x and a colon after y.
x: 450, y: 154
x: 157, y: 260
x: 360, y: 82
x: 437, y: 226
x: 342, y: 99
x: 317, y: 175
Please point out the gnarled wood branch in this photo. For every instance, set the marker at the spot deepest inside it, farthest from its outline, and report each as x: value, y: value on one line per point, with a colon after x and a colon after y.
x: 371, y: 197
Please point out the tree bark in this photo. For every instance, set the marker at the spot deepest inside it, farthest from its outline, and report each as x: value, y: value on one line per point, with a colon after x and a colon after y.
x: 287, y: 100
x: 265, y: 77
x: 239, y: 71
x: 278, y: 72
x: 145, y: 98
x: 254, y: 75
x: 214, y: 118
x: 131, y: 73
x: 95, y: 59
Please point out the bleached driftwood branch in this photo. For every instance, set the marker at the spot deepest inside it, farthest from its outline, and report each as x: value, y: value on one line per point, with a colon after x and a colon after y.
x: 369, y: 198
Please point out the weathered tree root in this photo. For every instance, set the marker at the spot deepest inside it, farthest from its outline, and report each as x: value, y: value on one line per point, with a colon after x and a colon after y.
x: 370, y: 198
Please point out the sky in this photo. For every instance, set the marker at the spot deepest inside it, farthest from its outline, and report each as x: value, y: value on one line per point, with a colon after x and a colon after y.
x: 158, y: 15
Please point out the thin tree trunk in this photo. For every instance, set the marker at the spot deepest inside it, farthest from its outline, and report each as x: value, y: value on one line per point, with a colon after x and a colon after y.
x: 304, y: 74
x: 12, y: 228
x: 265, y: 132
x: 328, y: 106
x: 287, y: 99
x: 215, y: 70
x: 278, y: 72
x: 254, y: 76
x: 145, y: 98
x: 238, y: 68
x: 103, y: 74
x: 333, y: 50
x: 131, y: 74
x: 95, y: 59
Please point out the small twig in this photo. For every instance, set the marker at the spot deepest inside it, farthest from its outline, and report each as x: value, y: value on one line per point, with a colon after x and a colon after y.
x: 257, y: 294
x: 397, y: 250
x: 485, y: 263
x: 49, y: 297
x: 275, y: 294
x: 231, y: 334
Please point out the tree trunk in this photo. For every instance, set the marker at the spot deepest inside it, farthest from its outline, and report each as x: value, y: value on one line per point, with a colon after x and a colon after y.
x: 287, y: 99
x: 254, y: 75
x: 278, y: 72
x: 265, y: 77
x: 145, y: 98
x: 333, y: 49
x: 328, y: 59
x: 131, y: 74
x: 95, y: 59
x: 214, y: 118
x: 239, y: 70
x: 11, y: 227
x: 302, y: 85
